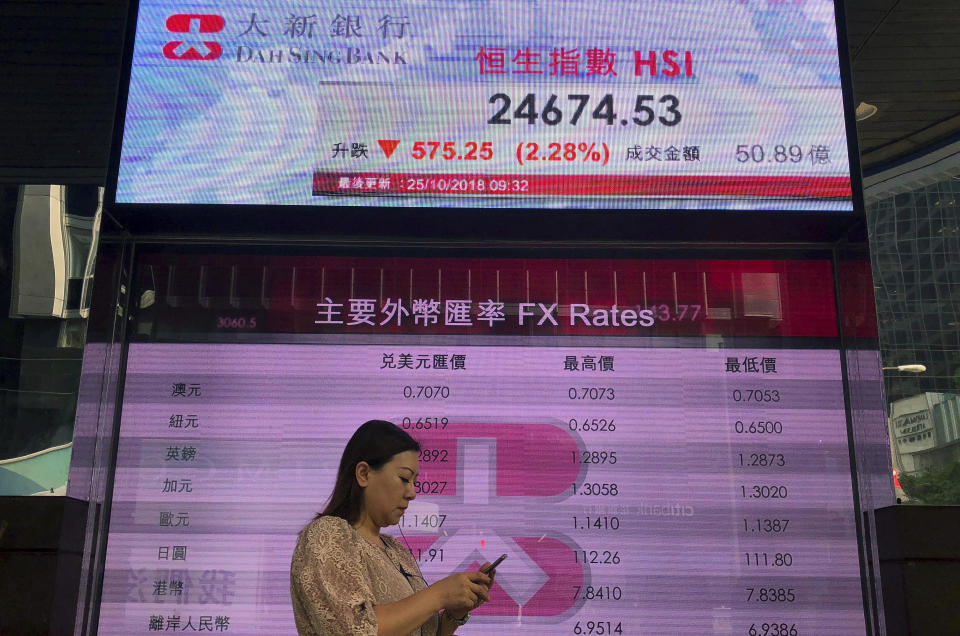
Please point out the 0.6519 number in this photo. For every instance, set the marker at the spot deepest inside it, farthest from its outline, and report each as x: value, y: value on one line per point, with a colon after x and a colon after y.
x: 424, y: 423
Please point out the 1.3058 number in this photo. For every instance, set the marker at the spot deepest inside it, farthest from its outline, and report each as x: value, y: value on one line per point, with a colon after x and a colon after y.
x: 594, y: 489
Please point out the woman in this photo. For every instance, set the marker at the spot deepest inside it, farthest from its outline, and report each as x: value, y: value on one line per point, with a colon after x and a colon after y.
x: 347, y: 578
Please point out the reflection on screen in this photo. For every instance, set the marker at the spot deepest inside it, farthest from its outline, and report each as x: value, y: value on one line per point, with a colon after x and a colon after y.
x: 635, y: 490
x: 660, y: 446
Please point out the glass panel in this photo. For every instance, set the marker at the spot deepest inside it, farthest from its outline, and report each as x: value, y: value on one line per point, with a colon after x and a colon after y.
x: 40, y: 360
x: 657, y: 433
x: 918, y: 312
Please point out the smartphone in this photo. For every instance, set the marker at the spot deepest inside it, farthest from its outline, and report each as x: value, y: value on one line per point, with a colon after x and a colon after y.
x: 493, y: 566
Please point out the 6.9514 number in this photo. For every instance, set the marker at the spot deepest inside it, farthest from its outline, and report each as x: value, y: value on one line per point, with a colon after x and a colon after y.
x: 598, y: 627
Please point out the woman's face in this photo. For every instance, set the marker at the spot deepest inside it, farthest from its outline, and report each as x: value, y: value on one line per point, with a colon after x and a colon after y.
x: 388, y: 491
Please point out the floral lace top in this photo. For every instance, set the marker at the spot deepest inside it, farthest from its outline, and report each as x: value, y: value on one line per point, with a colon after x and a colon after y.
x: 337, y: 577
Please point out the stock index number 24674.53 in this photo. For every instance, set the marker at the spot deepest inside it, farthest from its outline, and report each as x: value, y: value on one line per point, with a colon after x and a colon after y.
x: 646, y: 110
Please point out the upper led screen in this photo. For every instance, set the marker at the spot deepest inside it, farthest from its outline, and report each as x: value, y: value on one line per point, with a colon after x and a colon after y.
x: 688, y: 104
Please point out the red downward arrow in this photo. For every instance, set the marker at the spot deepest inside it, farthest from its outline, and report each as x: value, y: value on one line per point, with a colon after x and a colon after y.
x: 388, y: 146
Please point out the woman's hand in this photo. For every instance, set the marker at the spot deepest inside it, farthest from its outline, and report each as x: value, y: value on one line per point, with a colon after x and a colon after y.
x: 459, y: 593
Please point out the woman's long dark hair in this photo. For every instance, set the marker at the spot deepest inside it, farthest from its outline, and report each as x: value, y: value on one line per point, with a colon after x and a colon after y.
x: 375, y: 442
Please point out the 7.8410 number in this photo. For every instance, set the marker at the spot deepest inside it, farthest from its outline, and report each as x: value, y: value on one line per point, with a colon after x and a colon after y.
x: 647, y: 109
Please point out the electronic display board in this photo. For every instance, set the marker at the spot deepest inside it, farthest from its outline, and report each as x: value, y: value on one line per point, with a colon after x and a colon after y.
x: 659, y: 446
x: 682, y: 105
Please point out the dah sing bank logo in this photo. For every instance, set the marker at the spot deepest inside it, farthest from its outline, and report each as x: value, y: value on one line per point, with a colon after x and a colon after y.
x: 197, y: 46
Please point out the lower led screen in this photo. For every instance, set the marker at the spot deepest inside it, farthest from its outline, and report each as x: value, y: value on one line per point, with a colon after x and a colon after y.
x: 635, y: 489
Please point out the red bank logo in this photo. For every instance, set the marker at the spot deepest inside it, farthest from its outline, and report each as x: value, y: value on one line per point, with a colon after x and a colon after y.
x: 196, y: 47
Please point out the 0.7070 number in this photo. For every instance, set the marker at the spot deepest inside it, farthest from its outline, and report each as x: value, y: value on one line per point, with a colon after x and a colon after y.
x: 437, y: 391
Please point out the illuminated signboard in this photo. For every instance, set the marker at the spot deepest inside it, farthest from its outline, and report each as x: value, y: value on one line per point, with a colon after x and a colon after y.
x: 690, y: 104
x: 677, y: 462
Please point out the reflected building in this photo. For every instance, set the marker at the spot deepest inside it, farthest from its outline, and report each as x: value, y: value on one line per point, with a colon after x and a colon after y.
x: 913, y: 213
x: 925, y: 432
